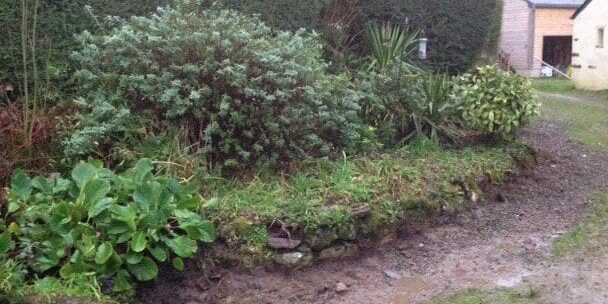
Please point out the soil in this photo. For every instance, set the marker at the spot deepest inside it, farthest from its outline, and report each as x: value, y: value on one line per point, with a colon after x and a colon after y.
x: 503, y: 242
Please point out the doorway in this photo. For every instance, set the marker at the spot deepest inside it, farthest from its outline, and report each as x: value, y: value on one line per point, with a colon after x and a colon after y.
x: 557, y: 51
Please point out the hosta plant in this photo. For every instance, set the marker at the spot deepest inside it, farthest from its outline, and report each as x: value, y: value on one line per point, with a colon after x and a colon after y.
x: 495, y: 102
x: 117, y: 226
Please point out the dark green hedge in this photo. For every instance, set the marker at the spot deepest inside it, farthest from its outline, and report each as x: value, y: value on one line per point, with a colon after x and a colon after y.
x: 460, y: 31
x: 57, y: 23
x: 283, y: 14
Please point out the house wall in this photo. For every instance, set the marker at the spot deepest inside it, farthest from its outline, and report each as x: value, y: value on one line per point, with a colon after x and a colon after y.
x: 590, y: 67
x: 550, y: 22
x: 516, y: 34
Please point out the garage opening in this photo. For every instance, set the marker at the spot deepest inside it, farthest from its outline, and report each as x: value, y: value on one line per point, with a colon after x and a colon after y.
x: 557, y: 51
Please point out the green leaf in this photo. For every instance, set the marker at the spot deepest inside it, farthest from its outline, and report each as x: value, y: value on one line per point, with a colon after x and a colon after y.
x: 95, y: 190
x: 134, y: 258
x: 83, y: 173
x: 158, y: 253
x: 5, y: 242
x: 145, y: 270
x: 42, y: 184
x: 147, y: 195
x: 182, y: 246
x: 125, y: 214
x: 66, y: 270
x: 99, y: 207
x: 138, y: 242
x: 143, y: 169
x: 178, y: 263
x: 207, y: 232
x: 121, y: 282
x: 21, y: 185
x: 104, y: 252
x: 87, y: 245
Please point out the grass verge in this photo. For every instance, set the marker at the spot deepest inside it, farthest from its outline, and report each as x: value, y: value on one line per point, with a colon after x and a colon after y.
x: 500, y: 296
x: 359, y: 197
x: 584, y: 112
x: 588, y: 236
x: 565, y: 86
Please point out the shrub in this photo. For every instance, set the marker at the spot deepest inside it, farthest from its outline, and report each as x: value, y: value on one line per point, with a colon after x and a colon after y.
x: 117, y: 226
x: 496, y: 102
x: 403, y: 102
x: 386, y: 104
x: 225, y: 83
x: 390, y: 44
x: 434, y: 110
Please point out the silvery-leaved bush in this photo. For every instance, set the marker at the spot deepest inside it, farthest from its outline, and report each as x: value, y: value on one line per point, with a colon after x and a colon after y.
x: 224, y: 83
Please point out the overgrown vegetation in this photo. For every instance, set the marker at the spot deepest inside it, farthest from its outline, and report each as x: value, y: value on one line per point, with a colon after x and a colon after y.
x: 410, y: 183
x: 188, y: 119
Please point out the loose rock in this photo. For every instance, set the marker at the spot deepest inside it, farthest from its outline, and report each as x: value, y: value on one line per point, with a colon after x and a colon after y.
x: 339, y: 252
x: 341, y: 287
x: 391, y: 274
x: 283, y: 243
x: 294, y: 260
x: 323, y: 238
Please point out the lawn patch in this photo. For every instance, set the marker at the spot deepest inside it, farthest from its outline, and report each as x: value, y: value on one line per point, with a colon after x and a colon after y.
x: 584, y: 112
x: 501, y: 296
x: 590, y: 234
x: 553, y: 85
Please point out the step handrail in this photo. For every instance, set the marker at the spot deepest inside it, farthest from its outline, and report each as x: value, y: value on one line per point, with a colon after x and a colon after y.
x: 553, y: 68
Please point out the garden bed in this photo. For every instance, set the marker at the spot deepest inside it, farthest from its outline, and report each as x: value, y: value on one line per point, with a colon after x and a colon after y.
x: 327, y: 210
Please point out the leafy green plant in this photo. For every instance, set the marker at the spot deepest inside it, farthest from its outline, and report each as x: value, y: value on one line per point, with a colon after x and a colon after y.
x: 389, y: 44
x: 117, y: 226
x: 385, y: 106
x: 402, y: 104
x: 434, y: 111
x: 224, y: 83
x: 494, y: 101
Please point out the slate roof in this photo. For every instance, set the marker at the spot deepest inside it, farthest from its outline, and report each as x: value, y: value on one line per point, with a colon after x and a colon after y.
x: 556, y: 3
x: 580, y: 9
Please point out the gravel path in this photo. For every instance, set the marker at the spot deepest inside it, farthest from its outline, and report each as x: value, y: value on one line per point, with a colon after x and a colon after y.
x: 505, y: 242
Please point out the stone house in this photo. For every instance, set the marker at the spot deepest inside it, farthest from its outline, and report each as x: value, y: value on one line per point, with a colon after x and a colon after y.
x: 590, y: 46
x: 537, y: 34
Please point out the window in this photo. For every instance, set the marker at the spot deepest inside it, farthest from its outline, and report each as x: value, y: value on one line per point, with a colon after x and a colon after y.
x: 600, y: 37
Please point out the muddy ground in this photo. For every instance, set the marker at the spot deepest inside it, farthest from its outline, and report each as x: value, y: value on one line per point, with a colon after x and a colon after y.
x: 504, y: 242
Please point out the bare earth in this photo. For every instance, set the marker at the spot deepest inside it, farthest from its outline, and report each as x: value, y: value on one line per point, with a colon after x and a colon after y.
x: 504, y: 242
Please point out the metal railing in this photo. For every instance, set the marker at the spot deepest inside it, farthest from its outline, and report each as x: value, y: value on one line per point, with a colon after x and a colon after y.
x: 553, y: 68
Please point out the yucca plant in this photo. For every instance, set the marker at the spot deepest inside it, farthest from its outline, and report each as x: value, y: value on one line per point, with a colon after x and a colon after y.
x: 390, y: 44
x: 433, y: 110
